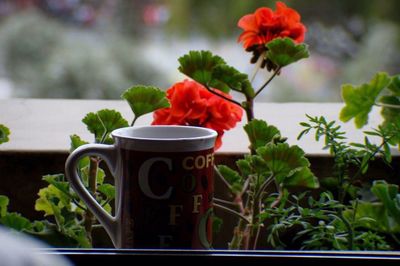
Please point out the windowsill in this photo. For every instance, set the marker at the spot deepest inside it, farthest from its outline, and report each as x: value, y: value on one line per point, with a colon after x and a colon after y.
x: 226, y: 257
x: 39, y: 145
x: 44, y: 125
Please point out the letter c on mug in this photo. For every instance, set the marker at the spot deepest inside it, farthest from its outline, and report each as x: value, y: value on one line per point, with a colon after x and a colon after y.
x: 144, y: 178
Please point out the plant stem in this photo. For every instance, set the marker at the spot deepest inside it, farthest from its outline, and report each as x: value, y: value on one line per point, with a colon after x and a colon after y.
x: 395, y: 238
x: 134, y: 120
x: 241, y: 232
x: 223, y: 96
x: 350, y: 230
x: 269, y: 80
x: 257, y: 67
x: 92, y: 181
x: 395, y: 106
x: 231, y: 212
x: 249, y: 108
x: 226, y: 183
x: 225, y: 202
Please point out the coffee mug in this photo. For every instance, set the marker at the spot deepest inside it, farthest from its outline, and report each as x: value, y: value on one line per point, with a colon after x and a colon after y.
x: 164, y: 186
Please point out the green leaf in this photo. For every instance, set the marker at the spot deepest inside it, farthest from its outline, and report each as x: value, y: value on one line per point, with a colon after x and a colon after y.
x: 212, y: 71
x: 4, y: 201
x: 4, y: 133
x: 391, y: 100
x: 330, y: 183
x: 16, y: 221
x: 365, y: 163
x: 217, y: 224
x: 394, y: 85
x: 225, y: 78
x: 302, y: 178
x: 387, y: 153
x: 199, y: 65
x: 106, y: 206
x: 244, y: 166
x: 76, y: 142
x: 388, y: 195
x: 260, y: 133
x: 374, y: 215
x: 79, y: 234
x: 359, y: 100
x: 145, y: 99
x: 51, y: 234
x: 58, y: 182
x: 108, y: 190
x: 283, y: 51
x: 391, y: 116
x: 288, y: 164
x: 102, y: 123
x: 232, y: 177
x: 50, y: 198
x: 258, y: 164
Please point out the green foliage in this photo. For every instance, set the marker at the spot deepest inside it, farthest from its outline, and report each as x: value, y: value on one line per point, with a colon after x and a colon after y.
x: 48, y: 60
x: 394, y: 85
x: 107, y: 190
x: 344, y: 154
x: 212, y: 71
x: 57, y: 201
x: 4, y: 201
x: 390, y: 103
x: 69, y: 236
x: 359, y: 100
x: 260, y: 133
x: 381, y: 214
x: 283, y: 51
x: 234, y: 179
x: 102, y: 123
x: 68, y: 222
x: 51, y: 198
x: 366, y: 223
x: 60, y: 202
x: 23, y: 40
x: 4, y: 134
x: 145, y: 99
x: 288, y: 165
x: 320, y: 225
x: 76, y: 142
x: 349, y: 154
x: 200, y: 65
x: 227, y: 78
x: 389, y: 195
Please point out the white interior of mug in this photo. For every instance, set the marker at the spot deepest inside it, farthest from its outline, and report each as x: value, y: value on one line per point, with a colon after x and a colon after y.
x: 164, y: 132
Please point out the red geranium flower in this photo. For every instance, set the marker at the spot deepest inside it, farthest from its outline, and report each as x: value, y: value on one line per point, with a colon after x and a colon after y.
x: 193, y: 105
x: 265, y: 25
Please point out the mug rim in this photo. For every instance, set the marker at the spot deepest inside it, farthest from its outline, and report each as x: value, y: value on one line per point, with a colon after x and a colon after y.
x: 208, y: 133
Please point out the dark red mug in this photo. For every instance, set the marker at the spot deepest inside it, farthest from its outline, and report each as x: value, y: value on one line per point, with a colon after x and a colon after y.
x: 164, y: 186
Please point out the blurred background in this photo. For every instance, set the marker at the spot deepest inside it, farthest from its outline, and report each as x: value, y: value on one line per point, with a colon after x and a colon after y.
x: 96, y: 49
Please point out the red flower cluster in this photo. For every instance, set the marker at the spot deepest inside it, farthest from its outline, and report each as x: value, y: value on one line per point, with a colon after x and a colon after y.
x: 193, y: 105
x: 265, y: 25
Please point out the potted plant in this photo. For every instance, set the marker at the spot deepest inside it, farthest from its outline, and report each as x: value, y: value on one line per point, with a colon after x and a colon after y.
x: 276, y: 199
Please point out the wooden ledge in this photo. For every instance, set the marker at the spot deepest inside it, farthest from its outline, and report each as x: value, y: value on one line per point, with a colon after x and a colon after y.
x: 39, y: 125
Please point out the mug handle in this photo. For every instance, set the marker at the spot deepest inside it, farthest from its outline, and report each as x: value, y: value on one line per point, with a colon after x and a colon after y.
x: 108, y: 153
